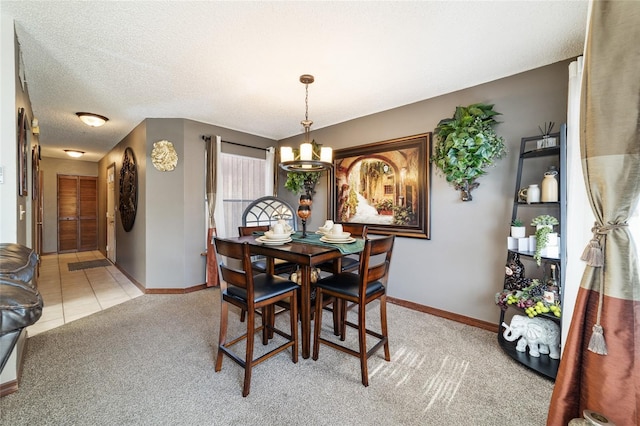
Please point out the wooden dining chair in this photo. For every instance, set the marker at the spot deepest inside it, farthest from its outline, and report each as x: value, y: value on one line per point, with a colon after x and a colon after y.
x: 259, y: 263
x: 350, y: 262
x: 367, y: 285
x: 244, y: 289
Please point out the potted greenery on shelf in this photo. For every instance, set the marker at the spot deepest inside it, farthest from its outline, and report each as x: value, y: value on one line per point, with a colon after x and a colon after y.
x: 466, y: 145
x: 517, y: 229
x: 544, y: 226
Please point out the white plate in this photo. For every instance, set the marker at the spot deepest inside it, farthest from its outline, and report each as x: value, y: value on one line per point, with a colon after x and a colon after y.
x: 275, y: 237
x: 270, y: 242
x: 348, y: 240
x: 342, y: 236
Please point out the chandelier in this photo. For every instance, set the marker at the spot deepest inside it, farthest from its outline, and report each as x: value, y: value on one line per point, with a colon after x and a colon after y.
x: 307, y: 158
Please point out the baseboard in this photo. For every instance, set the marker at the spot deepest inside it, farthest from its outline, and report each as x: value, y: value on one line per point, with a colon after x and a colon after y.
x: 445, y: 314
x: 161, y: 290
x: 175, y: 290
x: 13, y: 368
x: 8, y: 388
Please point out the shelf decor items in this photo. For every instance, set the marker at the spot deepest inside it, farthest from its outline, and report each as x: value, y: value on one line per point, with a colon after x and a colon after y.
x: 544, y: 228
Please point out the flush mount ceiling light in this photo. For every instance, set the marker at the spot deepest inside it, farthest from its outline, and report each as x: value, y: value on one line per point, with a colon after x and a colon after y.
x: 91, y: 119
x: 306, y: 159
x: 74, y: 153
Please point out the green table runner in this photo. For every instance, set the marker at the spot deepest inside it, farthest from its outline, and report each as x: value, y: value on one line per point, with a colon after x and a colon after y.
x: 345, y: 248
x: 313, y: 238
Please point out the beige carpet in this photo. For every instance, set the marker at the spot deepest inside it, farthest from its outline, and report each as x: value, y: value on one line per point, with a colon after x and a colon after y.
x: 149, y: 361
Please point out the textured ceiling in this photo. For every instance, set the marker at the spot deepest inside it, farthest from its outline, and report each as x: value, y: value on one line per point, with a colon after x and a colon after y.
x: 237, y: 64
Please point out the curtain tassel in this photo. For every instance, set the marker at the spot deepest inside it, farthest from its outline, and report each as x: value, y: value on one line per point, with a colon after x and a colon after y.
x: 597, y: 343
x: 593, y: 254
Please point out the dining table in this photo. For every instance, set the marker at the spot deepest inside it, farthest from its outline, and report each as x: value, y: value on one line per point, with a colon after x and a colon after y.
x: 307, y: 252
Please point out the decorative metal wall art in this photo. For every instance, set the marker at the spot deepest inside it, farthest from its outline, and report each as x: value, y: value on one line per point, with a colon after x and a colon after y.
x: 22, y: 153
x: 128, y: 190
x: 164, y: 156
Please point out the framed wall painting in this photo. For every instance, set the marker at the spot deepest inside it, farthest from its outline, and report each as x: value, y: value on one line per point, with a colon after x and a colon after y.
x: 385, y: 185
x: 23, y: 151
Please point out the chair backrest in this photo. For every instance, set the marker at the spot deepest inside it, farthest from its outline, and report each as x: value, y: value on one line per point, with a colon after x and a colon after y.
x: 267, y: 211
x: 233, y: 276
x: 356, y: 229
x: 245, y: 231
x: 381, y: 248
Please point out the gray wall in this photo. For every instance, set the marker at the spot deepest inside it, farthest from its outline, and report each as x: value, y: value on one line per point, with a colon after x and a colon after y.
x: 130, y: 246
x: 51, y: 168
x: 461, y: 267
x: 163, y: 249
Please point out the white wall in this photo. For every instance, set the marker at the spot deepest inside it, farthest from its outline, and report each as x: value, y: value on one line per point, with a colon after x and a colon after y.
x: 8, y: 125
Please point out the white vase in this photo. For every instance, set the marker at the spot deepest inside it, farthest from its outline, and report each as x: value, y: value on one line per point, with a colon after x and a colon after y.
x: 533, y: 194
x: 549, y: 188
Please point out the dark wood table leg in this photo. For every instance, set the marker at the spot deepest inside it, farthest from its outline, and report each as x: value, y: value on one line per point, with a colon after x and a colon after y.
x: 305, y: 310
x: 337, y: 311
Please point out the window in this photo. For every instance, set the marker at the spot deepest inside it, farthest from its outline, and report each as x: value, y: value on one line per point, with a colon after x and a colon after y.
x: 244, y: 181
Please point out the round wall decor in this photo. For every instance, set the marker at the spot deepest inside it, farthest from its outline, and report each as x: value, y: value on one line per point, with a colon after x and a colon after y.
x: 164, y: 156
x: 128, y: 190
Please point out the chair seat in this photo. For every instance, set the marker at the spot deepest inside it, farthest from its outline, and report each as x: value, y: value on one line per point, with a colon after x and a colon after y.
x: 265, y: 287
x: 348, y: 283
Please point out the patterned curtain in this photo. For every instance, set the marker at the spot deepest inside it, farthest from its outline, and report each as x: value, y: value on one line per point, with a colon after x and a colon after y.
x: 600, y: 368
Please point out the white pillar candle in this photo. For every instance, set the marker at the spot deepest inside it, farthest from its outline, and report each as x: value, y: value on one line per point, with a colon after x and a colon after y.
x: 326, y: 154
x: 286, y: 153
x: 306, y: 152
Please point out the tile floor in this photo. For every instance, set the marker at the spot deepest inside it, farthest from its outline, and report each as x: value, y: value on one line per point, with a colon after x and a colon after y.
x: 69, y: 295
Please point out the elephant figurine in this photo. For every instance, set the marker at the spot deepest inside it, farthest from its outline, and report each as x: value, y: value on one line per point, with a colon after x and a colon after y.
x: 540, y: 334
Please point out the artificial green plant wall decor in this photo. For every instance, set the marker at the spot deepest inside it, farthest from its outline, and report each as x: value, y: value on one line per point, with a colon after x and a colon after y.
x: 467, y: 144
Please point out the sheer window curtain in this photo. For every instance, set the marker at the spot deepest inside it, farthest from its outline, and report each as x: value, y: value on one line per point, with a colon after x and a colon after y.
x: 270, y: 172
x: 214, y: 205
x: 599, y: 368
x: 578, y: 207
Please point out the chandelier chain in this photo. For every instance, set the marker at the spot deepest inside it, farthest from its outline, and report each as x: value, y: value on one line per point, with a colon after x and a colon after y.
x: 306, y: 102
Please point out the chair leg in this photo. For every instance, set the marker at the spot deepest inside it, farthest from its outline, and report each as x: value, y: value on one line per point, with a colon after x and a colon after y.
x: 362, y: 339
x: 383, y: 326
x: 222, y: 339
x: 343, y: 319
x: 293, y: 318
x: 337, y: 316
x: 318, y: 324
x: 266, y: 321
x: 248, y: 362
x: 243, y: 315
